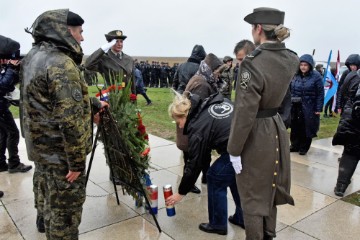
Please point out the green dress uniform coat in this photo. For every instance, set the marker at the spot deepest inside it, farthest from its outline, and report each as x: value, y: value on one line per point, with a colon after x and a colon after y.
x: 262, y: 142
x: 112, y: 67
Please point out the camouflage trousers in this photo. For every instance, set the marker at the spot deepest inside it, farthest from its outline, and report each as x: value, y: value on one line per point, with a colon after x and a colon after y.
x: 58, y: 201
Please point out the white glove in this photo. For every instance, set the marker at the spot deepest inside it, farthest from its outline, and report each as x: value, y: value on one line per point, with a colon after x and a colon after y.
x: 108, y: 45
x: 236, y: 163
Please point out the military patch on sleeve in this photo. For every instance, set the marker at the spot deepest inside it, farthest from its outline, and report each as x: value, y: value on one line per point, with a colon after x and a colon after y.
x: 245, y: 77
x: 76, y: 94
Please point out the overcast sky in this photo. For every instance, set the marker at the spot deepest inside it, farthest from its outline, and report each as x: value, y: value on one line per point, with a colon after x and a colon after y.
x: 172, y: 28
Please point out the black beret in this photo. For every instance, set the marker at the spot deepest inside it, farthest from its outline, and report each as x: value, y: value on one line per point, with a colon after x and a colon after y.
x: 116, y: 34
x: 74, y: 19
x: 265, y: 15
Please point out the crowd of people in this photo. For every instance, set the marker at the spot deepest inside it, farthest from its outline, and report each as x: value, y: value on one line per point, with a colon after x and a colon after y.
x: 272, y: 86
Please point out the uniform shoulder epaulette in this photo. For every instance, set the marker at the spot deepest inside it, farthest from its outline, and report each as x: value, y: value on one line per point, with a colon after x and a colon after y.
x: 253, y: 54
x: 292, y: 51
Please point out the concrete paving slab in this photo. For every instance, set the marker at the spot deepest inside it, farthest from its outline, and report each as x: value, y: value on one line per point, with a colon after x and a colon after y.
x: 293, y: 234
x: 340, y: 220
x: 7, y: 228
x: 307, y: 202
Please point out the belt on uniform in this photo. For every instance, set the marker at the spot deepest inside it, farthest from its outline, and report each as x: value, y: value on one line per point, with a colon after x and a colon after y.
x: 264, y: 113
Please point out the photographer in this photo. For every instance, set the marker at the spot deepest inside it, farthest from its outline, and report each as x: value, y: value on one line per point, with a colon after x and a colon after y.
x: 9, y: 133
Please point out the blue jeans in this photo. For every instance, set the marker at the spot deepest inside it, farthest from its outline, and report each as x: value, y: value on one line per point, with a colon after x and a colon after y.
x: 220, y: 176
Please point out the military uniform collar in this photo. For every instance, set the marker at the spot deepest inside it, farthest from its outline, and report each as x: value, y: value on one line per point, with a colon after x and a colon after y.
x: 272, y: 45
x: 119, y: 55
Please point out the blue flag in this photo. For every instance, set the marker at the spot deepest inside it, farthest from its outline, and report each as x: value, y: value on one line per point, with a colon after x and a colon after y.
x: 332, y: 86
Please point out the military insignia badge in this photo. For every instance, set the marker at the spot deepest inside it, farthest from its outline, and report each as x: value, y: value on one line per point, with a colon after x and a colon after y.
x: 76, y: 94
x: 245, y: 79
x: 118, y: 33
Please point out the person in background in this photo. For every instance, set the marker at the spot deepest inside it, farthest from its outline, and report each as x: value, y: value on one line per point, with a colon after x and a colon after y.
x: 226, y: 77
x: 348, y: 130
x: 257, y: 129
x: 186, y: 70
x: 140, y: 87
x: 207, y: 124
x: 242, y: 48
x: 9, y: 132
x: 56, y: 116
x: 307, y: 97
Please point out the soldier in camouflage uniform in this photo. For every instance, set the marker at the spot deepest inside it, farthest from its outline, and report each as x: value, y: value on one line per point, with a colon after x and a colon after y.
x: 111, y: 61
x: 56, y: 117
x: 226, y: 77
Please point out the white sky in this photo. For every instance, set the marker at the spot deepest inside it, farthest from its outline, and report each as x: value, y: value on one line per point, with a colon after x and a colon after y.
x: 172, y: 28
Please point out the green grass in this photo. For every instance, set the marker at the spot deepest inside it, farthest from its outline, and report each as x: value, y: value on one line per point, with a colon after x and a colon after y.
x: 353, y: 198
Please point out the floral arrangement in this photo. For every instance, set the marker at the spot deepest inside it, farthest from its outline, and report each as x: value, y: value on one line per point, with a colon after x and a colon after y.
x: 125, y: 139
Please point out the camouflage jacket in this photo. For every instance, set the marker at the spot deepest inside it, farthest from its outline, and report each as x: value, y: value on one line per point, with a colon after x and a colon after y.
x: 112, y: 67
x: 55, y: 104
x: 227, y: 78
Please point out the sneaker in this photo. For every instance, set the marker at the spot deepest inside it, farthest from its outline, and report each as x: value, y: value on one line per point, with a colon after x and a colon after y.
x: 3, y: 167
x: 20, y: 168
x: 340, y: 189
x: 149, y: 104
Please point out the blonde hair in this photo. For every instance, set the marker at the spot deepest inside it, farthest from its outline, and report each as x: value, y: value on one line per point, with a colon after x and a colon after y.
x: 180, y: 107
x: 280, y: 31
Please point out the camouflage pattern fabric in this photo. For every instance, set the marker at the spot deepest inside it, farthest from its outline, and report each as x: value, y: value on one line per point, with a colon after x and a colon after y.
x: 64, y: 200
x: 55, y: 114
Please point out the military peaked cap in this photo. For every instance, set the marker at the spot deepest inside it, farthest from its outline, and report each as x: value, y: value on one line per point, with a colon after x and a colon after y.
x: 116, y: 34
x: 265, y: 15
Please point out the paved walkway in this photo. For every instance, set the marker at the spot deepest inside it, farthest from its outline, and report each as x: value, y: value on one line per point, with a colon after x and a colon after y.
x: 318, y: 213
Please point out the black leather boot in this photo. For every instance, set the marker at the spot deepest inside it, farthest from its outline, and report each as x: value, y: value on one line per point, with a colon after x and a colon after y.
x: 340, y: 189
x: 40, y: 224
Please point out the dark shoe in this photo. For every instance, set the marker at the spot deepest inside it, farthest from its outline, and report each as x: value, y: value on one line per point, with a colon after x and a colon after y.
x: 4, y: 167
x: 293, y: 149
x: 302, y: 152
x: 340, y: 189
x: 1, y: 194
x: 195, y: 189
x: 149, y: 104
x: 232, y: 220
x: 203, y: 179
x: 207, y: 228
x: 40, y: 224
x: 20, y: 168
x: 325, y: 115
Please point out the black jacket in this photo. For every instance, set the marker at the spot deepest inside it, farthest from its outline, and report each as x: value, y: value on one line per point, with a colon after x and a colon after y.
x: 208, y: 128
x: 348, y: 131
x: 8, y: 79
x: 186, y: 70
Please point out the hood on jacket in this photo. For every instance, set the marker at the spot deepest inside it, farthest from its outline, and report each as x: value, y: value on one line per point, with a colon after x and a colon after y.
x: 51, y: 26
x: 8, y: 47
x: 308, y: 59
x: 353, y: 59
x: 198, y: 53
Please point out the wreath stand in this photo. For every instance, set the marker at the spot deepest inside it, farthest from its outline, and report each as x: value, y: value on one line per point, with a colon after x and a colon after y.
x: 123, y: 181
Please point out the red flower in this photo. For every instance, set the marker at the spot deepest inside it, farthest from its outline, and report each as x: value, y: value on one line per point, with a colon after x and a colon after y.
x: 133, y: 97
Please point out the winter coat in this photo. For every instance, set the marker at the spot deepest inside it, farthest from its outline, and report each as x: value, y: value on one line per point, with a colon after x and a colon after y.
x: 262, y: 140
x: 208, y: 127
x: 55, y: 105
x: 310, y: 89
x: 186, y: 70
x: 348, y: 130
x: 112, y: 67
